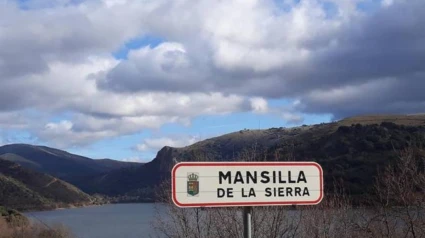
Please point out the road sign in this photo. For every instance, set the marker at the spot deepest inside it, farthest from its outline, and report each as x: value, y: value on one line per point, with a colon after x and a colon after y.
x: 220, y: 184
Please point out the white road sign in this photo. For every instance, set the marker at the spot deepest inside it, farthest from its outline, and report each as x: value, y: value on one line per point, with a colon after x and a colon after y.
x: 219, y: 184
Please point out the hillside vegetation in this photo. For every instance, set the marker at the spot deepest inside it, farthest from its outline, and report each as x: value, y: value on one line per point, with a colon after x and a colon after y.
x: 26, y: 189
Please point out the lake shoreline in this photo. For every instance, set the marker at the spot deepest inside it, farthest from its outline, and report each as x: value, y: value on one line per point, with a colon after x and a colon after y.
x: 81, y: 206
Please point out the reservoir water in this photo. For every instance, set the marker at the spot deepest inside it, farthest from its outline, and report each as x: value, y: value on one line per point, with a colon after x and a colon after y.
x: 107, y: 221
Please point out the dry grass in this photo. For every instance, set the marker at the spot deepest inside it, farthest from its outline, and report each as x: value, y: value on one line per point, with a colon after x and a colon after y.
x: 34, y: 230
x: 407, y: 120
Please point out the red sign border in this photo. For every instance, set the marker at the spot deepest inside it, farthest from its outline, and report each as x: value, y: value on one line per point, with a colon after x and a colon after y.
x: 240, y: 204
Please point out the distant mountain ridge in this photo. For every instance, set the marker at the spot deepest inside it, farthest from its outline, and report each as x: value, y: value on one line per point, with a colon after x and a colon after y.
x: 111, y: 164
x: 59, y: 163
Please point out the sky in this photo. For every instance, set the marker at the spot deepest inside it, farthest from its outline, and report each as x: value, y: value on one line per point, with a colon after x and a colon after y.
x: 120, y: 79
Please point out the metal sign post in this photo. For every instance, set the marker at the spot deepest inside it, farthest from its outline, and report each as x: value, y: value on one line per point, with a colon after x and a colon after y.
x: 247, y: 222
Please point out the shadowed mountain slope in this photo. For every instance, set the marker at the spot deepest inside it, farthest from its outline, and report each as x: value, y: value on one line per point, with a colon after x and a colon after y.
x: 25, y: 189
x: 58, y: 163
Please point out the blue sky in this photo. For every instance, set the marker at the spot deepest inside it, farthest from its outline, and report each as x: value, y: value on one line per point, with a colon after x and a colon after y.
x: 121, y: 79
x: 136, y: 43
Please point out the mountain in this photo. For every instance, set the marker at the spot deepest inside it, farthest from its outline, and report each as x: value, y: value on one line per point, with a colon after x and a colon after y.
x: 352, y: 149
x: 58, y: 163
x: 111, y: 164
x: 25, y: 189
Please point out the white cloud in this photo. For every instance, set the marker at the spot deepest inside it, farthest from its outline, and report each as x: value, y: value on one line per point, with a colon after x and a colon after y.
x: 72, y: 88
x: 292, y: 118
x: 259, y: 105
x: 142, y: 147
x: 57, y: 127
x: 99, y: 114
x: 387, y: 3
x: 14, y: 120
x: 63, y: 135
x: 87, y: 129
x: 133, y: 159
x: 216, y: 58
x: 158, y: 143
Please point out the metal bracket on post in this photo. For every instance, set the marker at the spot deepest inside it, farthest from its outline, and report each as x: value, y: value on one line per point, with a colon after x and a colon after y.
x: 247, y: 222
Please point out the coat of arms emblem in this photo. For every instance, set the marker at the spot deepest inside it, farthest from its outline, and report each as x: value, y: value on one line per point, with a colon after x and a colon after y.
x: 192, y: 184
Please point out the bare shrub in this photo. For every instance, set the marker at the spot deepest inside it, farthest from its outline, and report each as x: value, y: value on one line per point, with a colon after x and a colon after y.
x: 333, y: 217
x: 398, y: 211
x: 400, y: 190
x: 55, y: 231
x: 5, y: 230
